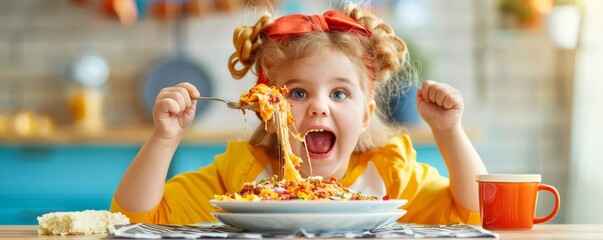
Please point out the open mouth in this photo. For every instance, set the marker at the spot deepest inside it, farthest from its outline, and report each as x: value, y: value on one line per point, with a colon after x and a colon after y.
x: 319, y: 141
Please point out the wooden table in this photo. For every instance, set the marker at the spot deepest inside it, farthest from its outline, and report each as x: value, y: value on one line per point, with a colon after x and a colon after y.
x: 542, y: 231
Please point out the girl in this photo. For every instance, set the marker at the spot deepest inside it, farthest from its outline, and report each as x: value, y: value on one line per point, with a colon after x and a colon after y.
x: 340, y: 69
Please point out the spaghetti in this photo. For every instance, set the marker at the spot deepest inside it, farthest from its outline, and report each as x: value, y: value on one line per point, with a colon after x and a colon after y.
x: 273, y: 106
x: 311, y: 188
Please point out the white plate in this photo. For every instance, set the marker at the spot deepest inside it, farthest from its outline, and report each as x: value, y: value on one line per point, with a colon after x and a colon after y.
x: 310, y: 222
x: 293, y: 206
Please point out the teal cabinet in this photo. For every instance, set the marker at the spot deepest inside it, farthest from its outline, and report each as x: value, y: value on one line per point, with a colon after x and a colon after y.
x: 39, y: 179
x: 429, y: 154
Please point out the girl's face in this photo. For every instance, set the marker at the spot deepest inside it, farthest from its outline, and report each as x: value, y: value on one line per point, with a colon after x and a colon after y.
x: 330, y: 109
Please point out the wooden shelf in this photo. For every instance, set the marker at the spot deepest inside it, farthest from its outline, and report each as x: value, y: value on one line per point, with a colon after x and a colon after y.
x: 117, y: 135
x: 138, y: 134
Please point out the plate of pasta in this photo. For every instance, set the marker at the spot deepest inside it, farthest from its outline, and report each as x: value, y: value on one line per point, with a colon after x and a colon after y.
x: 310, y: 222
x: 302, y: 206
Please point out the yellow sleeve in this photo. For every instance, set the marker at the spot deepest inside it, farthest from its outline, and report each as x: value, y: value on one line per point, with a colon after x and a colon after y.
x: 186, y: 196
x: 185, y: 199
x: 428, y: 193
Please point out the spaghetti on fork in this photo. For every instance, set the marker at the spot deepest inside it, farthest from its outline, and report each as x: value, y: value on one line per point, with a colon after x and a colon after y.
x: 273, y: 106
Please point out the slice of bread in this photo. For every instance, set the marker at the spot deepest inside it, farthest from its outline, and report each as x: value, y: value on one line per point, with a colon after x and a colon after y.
x: 79, y: 223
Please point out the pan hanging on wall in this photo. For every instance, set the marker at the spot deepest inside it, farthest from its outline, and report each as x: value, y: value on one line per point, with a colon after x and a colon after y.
x: 178, y: 69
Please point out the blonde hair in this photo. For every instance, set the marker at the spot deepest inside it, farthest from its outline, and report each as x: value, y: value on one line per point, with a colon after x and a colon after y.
x: 386, y: 52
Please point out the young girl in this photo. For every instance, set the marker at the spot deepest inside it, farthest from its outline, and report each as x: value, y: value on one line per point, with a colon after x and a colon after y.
x: 339, y: 68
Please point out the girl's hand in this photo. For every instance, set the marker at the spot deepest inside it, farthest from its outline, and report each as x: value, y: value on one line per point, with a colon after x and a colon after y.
x: 174, y: 110
x: 440, y: 105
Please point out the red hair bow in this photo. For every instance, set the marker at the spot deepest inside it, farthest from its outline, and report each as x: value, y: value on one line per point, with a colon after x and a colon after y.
x: 297, y: 24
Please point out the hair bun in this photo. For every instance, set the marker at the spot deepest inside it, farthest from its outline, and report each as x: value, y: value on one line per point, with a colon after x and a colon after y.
x: 246, y: 41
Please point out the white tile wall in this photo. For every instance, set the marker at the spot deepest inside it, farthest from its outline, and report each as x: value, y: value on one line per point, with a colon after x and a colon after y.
x: 518, y: 115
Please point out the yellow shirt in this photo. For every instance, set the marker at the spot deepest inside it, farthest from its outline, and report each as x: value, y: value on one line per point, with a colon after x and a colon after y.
x: 391, y: 170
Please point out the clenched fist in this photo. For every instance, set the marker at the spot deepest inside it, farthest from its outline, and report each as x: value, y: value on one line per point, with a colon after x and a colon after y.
x: 440, y: 105
x: 174, y: 110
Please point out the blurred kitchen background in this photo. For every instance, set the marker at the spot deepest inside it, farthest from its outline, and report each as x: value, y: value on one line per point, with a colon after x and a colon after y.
x: 78, y: 78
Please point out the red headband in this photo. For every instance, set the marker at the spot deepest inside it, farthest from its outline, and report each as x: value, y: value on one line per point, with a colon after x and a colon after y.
x: 297, y: 24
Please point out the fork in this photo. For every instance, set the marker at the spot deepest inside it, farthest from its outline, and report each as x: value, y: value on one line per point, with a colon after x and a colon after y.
x: 230, y: 104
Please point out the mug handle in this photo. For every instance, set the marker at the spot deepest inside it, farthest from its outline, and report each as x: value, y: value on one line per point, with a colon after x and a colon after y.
x: 557, y: 203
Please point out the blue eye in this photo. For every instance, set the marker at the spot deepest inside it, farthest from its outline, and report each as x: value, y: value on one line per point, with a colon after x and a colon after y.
x: 298, y: 93
x: 339, y: 95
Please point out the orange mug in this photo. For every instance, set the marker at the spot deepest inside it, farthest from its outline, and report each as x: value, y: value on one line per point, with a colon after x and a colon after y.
x: 508, y: 201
